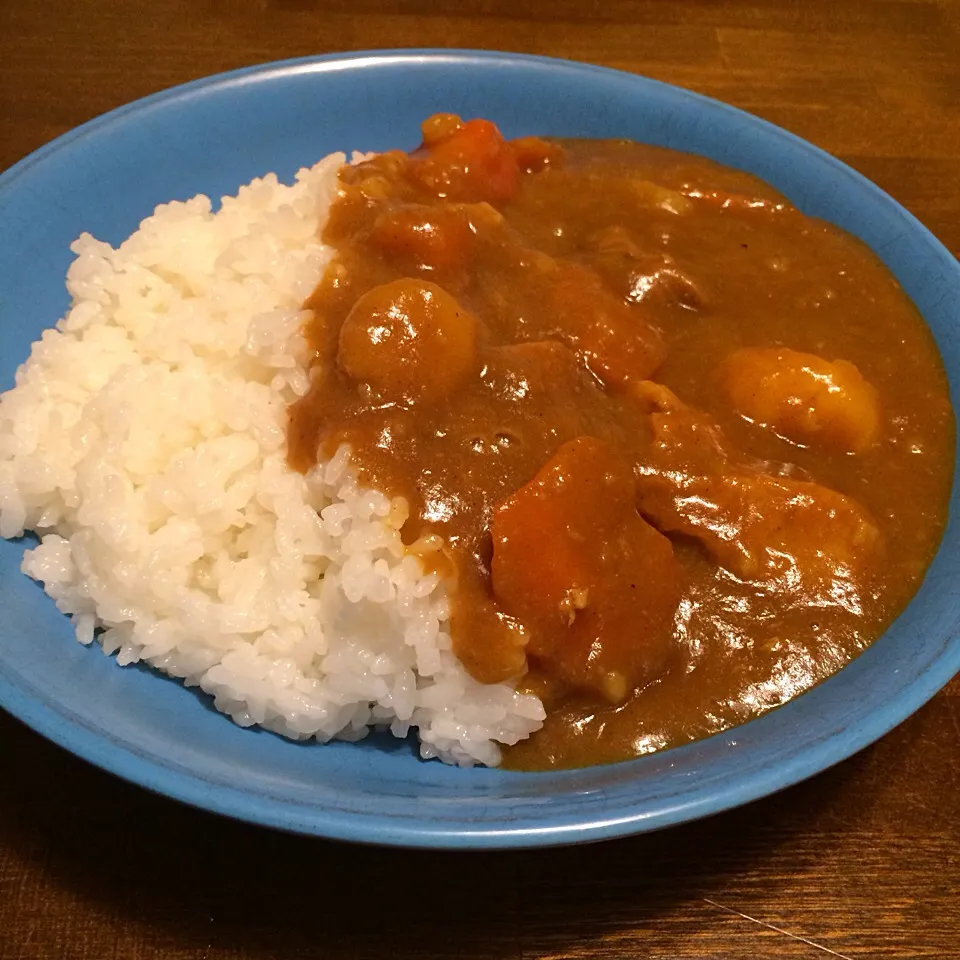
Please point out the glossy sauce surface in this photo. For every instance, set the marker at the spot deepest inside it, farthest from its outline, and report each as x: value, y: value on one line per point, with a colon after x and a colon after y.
x: 688, y: 450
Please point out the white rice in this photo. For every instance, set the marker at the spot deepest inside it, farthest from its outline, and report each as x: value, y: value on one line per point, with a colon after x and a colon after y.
x: 145, y: 443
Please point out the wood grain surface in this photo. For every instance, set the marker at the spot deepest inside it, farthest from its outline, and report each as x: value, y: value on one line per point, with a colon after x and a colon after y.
x: 861, y: 861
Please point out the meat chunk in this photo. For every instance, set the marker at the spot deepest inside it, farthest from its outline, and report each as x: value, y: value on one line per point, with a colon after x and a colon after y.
x: 643, y: 274
x: 595, y: 584
x: 804, y: 398
x: 771, y: 529
x: 765, y: 528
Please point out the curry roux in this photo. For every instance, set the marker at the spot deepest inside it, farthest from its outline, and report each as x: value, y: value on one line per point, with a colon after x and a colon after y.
x: 689, y: 450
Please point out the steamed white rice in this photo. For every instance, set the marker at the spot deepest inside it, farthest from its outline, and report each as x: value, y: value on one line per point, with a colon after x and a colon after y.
x: 145, y: 443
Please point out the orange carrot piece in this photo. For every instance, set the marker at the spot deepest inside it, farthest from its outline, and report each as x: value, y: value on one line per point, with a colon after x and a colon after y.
x: 597, y: 586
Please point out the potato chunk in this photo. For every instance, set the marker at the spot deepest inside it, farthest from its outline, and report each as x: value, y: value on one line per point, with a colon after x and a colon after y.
x: 804, y: 398
x: 410, y: 340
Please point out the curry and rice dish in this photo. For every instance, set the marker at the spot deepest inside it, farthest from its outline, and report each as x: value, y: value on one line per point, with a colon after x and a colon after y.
x: 579, y: 448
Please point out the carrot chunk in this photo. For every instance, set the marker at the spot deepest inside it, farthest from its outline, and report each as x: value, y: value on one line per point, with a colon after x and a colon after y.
x: 470, y: 162
x: 425, y: 238
x: 596, y: 585
x: 613, y: 338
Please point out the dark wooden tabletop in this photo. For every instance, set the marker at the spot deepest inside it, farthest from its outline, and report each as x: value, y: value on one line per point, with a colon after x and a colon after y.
x: 861, y: 861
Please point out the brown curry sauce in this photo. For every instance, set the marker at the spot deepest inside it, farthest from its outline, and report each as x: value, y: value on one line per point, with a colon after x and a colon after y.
x: 689, y: 450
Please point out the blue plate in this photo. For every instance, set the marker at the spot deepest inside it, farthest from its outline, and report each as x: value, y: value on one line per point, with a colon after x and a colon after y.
x: 215, y: 134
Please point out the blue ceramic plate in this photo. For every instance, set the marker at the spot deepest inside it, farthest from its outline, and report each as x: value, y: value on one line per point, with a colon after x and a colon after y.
x: 215, y: 134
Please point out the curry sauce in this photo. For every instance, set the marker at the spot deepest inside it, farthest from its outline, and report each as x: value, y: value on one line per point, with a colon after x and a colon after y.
x: 681, y: 450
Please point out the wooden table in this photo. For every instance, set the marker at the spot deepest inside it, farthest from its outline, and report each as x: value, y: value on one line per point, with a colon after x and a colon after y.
x: 861, y: 861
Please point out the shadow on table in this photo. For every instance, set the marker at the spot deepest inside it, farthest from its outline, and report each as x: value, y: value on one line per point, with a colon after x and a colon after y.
x: 208, y: 883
